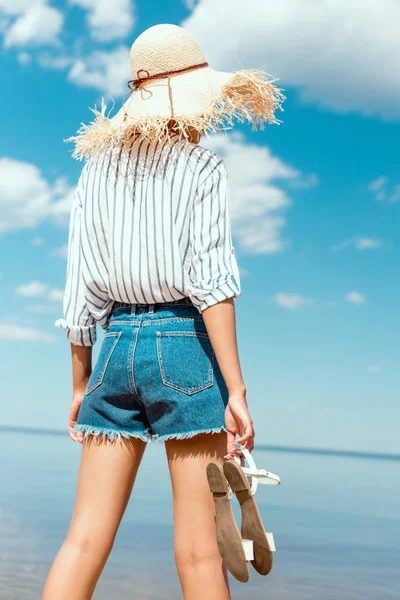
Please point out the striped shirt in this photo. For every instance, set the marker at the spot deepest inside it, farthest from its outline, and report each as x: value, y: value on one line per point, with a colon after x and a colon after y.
x: 147, y: 225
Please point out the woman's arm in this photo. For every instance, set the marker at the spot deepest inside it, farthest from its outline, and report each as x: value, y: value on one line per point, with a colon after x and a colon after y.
x: 220, y: 321
x: 215, y: 283
x: 78, y: 322
x: 81, y: 367
x: 81, y: 371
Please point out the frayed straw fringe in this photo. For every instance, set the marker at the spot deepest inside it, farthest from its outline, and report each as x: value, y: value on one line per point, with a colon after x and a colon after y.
x: 250, y: 96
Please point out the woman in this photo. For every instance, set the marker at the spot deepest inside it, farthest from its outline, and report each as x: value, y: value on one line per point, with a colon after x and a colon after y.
x: 151, y: 261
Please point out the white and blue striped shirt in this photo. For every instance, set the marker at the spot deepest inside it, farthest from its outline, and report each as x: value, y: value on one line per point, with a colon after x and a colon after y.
x: 149, y: 225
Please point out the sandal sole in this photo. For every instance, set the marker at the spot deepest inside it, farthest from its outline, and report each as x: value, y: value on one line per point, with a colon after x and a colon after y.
x: 252, y: 525
x: 229, y: 540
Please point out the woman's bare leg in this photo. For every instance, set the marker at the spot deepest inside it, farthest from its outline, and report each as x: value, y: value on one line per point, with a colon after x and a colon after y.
x: 106, y: 476
x: 199, y: 563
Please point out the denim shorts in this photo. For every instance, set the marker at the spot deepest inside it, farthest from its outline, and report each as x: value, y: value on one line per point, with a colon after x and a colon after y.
x: 156, y: 377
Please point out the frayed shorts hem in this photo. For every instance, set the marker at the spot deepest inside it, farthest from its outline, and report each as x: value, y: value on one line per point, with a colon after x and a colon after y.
x: 111, y: 434
x: 186, y: 435
x: 145, y: 436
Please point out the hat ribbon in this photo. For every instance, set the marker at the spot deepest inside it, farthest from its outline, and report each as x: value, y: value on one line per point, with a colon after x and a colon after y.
x: 134, y: 84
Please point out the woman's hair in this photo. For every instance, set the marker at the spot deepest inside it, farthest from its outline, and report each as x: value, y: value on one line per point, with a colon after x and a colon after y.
x: 191, y: 131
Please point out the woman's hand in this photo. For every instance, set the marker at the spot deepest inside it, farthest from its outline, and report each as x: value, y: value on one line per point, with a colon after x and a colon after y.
x: 238, y: 422
x: 73, y: 417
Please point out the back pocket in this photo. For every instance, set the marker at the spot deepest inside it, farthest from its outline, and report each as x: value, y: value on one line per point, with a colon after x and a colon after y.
x: 107, y: 348
x: 186, y: 360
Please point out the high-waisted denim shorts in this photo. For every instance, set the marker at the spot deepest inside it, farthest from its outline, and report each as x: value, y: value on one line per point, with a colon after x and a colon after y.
x: 156, y: 376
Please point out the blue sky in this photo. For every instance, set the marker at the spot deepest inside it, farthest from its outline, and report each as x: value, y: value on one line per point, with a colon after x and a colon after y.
x: 315, y: 204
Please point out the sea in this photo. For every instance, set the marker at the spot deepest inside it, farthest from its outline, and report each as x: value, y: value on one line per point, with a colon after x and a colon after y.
x: 335, y: 520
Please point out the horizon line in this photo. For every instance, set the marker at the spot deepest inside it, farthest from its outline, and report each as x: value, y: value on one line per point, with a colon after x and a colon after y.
x: 262, y: 447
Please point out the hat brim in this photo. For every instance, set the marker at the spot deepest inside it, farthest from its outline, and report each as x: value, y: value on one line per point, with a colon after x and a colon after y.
x: 205, y: 100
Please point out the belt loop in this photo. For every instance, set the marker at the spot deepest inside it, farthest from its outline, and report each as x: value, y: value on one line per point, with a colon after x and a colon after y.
x: 151, y: 308
x: 133, y: 309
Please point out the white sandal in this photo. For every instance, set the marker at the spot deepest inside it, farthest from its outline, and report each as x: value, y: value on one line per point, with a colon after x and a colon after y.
x: 251, y: 519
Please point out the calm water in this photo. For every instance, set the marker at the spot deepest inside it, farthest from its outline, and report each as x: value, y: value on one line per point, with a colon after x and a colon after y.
x: 335, y: 521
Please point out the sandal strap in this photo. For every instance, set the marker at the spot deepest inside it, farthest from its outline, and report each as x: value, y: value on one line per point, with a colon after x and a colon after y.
x: 252, y: 467
x: 257, y: 475
x: 265, y: 477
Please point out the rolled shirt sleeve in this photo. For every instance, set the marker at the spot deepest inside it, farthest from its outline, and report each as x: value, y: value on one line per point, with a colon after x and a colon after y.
x: 214, y: 272
x: 78, y: 322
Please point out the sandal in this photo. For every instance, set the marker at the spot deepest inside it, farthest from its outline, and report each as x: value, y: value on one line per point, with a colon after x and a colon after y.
x: 252, y: 525
x: 229, y: 540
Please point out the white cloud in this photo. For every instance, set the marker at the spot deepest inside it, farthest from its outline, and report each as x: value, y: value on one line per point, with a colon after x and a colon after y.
x: 27, y: 198
x: 34, y: 288
x: 16, y: 7
x: 365, y: 243
x: 63, y: 195
x: 108, y: 23
x: 24, y: 58
x: 105, y: 71
x: 308, y: 182
x: 17, y: 333
x: 43, y: 309
x: 377, y: 188
x: 377, y: 184
x: 4, y: 23
x: 56, y: 295
x: 360, y: 243
x: 355, y: 298
x: 374, y: 368
x: 60, y: 252
x: 37, y: 241
x: 262, y: 235
x: 340, y: 55
x: 383, y: 191
x: 290, y: 301
x: 381, y: 196
x: 395, y: 195
x: 39, y: 25
x: 58, y: 63
x: 38, y: 288
x: 258, y: 203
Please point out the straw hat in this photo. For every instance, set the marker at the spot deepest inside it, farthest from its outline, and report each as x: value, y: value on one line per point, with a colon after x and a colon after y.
x: 172, y: 84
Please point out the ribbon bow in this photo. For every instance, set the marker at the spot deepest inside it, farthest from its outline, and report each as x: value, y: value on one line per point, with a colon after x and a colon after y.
x: 132, y: 83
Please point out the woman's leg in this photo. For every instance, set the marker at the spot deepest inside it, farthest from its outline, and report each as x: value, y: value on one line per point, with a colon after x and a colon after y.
x: 106, y: 476
x: 200, y: 568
